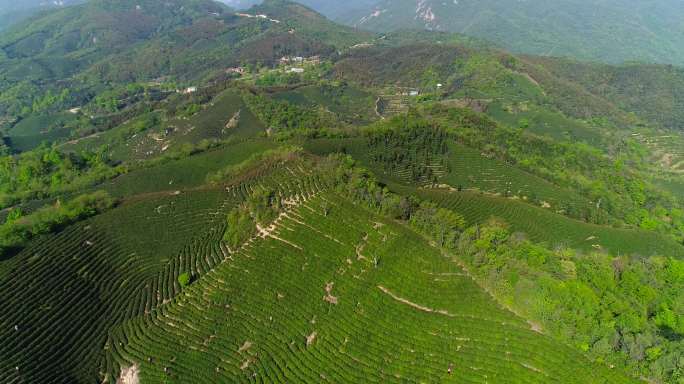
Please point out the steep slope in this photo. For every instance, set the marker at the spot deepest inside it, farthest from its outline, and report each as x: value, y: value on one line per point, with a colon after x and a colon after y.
x: 324, y: 289
x: 609, y: 30
x: 350, y: 302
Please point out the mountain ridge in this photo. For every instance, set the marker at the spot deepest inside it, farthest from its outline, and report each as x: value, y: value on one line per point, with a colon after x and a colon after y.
x: 609, y: 31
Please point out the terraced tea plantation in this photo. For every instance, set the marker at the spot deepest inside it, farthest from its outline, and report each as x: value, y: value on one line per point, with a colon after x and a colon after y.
x: 331, y: 293
x: 541, y: 225
x: 667, y: 149
x: 63, y: 294
x: 467, y: 168
x: 392, y: 104
x: 543, y: 122
x: 190, y: 172
x: 30, y: 133
x: 351, y: 104
x: 225, y: 116
x: 470, y: 169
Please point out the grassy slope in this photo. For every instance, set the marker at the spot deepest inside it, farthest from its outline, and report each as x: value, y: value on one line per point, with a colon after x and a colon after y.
x: 544, y: 122
x: 470, y: 169
x: 29, y: 133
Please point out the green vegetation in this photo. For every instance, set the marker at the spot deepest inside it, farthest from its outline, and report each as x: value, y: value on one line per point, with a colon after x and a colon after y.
x: 129, y: 260
x: 281, y: 116
x: 412, y: 207
x: 543, y: 226
x: 184, y: 279
x: 350, y: 104
x: 186, y: 172
x: 618, y: 310
x: 265, y: 158
x: 544, y: 122
x: 48, y: 172
x: 240, y: 227
x: 471, y: 169
x: 94, y: 274
x: 651, y: 92
x: 615, y: 184
x: 18, y: 229
x: 413, y: 150
x: 348, y: 284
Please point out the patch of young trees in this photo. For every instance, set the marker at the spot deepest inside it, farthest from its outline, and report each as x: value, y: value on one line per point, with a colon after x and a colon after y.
x: 19, y: 229
x: 621, y: 310
x: 261, y: 208
x: 409, y: 145
x: 48, y: 171
x: 284, y: 116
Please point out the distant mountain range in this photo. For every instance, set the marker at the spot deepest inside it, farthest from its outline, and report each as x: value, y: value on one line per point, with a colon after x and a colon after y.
x: 12, y: 12
x: 612, y: 31
x: 605, y: 30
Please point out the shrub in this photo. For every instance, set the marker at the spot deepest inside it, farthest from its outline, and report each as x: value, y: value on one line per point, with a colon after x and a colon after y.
x: 184, y: 279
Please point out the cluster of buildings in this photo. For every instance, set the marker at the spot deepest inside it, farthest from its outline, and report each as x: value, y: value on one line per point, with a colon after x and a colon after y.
x: 298, y: 60
x: 296, y: 63
x: 236, y: 70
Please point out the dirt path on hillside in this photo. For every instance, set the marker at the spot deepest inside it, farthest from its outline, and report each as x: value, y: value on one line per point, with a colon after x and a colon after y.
x: 414, y: 305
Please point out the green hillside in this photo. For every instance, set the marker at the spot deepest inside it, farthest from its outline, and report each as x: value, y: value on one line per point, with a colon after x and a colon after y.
x: 660, y: 101
x: 335, y: 315
x: 194, y: 194
x: 480, y: 188
x: 377, y: 271
x: 545, y: 227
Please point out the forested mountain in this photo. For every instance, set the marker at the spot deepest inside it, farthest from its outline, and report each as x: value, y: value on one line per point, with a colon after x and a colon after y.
x: 78, y: 51
x: 612, y: 31
x: 195, y: 194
